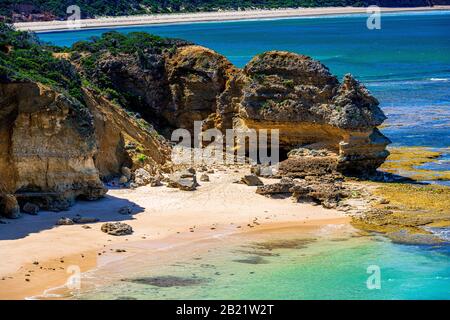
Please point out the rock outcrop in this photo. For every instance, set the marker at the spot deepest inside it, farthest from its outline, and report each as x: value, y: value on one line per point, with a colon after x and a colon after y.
x: 276, y: 90
x: 55, y: 148
x: 47, y: 146
x: 311, y: 109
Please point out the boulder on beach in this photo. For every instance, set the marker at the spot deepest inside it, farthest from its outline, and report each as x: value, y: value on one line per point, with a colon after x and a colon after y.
x: 117, y: 228
x: 30, y: 208
x: 9, y: 208
x: 252, y: 180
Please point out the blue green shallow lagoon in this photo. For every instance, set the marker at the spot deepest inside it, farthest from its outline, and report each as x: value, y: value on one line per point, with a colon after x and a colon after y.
x: 327, y: 262
x: 406, y: 65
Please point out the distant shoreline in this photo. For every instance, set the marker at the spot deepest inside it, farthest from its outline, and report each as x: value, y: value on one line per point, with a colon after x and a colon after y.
x: 157, y: 19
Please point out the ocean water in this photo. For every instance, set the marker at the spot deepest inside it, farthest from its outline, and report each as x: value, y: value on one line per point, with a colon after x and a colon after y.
x: 406, y: 65
x: 332, y: 262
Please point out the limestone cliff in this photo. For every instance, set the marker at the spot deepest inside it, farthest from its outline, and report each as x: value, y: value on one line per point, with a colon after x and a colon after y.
x: 275, y: 90
x: 47, y: 146
x: 56, y: 146
x: 53, y: 149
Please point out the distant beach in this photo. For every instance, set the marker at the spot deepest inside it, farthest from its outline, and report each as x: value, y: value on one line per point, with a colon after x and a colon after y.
x: 155, y: 19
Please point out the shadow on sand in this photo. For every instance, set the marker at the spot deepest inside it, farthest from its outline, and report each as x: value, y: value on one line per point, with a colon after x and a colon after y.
x: 105, y: 210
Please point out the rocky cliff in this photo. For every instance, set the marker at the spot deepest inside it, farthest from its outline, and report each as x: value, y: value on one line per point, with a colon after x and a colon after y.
x: 107, y: 111
x: 275, y: 90
x: 47, y: 146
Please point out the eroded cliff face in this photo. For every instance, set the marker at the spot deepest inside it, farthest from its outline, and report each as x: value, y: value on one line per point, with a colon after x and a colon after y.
x: 123, y: 141
x: 47, y: 146
x: 53, y: 149
x: 301, y: 98
x: 276, y: 90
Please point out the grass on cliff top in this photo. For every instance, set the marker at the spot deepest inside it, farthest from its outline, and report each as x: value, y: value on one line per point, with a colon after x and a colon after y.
x: 405, y: 160
x: 23, y: 58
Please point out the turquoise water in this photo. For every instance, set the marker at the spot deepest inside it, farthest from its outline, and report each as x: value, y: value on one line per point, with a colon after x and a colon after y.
x: 406, y: 65
x: 325, y: 268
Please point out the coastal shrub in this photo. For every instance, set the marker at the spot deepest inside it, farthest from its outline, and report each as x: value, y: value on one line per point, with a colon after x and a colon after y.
x: 24, y: 58
x: 91, y: 9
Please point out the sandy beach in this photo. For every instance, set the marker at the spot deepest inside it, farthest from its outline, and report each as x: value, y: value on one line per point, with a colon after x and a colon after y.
x: 36, y: 254
x: 154, y: 19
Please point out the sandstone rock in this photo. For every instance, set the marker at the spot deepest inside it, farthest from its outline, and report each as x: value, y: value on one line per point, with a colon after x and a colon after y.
x: 155, y: 182
x: 142, y: 177
x: 252, y: 180
x: 117, y: 228
x: 265, y: 171
x: 204, y: 178
x: 183, y: 180
x: 126, y: 172
x: 9, y: 208
x: 123, y: 180
x: 65, y: 222
x: 81, y: 220
x: 47, y: 145
x: 283, y: 186
x: 30, y: 208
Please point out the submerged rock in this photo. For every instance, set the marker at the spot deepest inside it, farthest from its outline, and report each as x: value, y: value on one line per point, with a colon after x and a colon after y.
x: 168, y: 281
x: 126, y: 210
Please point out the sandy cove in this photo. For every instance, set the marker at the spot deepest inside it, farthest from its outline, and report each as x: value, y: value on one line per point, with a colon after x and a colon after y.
x: 34, y: 248
x: 155, y: 19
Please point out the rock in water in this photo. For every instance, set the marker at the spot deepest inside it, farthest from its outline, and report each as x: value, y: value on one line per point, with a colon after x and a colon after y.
x: 117, y: 228
x: 9, y: 207
x: 252, y: 180
x: 30, y: 208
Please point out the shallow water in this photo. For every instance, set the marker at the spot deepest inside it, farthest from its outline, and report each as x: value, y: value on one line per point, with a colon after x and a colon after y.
x: 319, y: 264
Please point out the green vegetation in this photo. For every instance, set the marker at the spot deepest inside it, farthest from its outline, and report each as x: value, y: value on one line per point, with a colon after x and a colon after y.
x: 92, y: 8
x: 23, y: 58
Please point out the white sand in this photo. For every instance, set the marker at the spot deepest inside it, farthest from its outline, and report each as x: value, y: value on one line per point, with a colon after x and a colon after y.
x: 107, y: 22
